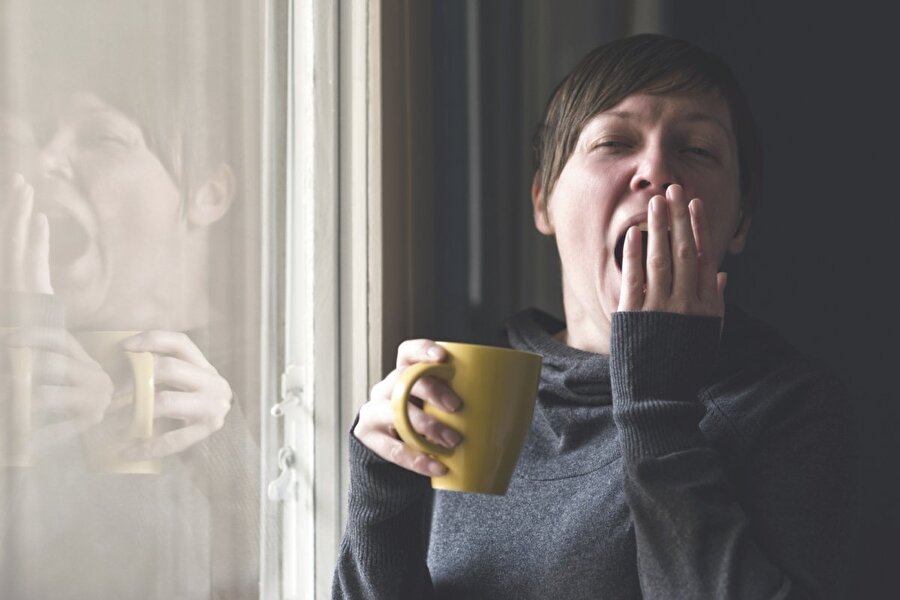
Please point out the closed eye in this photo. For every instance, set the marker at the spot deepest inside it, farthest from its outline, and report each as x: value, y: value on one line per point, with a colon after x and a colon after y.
x: 701, y: 152
x: 612, y: 145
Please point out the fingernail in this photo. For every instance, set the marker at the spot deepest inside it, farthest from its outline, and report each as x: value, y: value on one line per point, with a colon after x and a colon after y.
x: 436, y: 468
x: 451, y: 438
x: 434, y: 352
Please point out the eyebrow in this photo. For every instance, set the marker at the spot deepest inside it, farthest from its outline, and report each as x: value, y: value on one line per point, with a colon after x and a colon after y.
x: 693, y: 117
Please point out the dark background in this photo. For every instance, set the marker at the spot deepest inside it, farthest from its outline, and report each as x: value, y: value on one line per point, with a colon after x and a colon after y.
x: 817, y: 266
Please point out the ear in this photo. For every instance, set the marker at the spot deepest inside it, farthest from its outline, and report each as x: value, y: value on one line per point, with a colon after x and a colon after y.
x: 539, y: 203
x: 213, y: 199
x: 739, y: 239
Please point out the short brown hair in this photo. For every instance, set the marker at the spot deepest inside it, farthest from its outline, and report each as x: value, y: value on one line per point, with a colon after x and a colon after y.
x: 653, y: 64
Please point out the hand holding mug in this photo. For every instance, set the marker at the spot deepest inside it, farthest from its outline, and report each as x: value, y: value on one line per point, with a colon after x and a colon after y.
x: 188, y: 389
x: 70, y: 391
x: 375, y: 428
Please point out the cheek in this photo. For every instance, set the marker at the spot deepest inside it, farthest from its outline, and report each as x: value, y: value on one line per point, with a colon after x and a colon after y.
x: 130, y: 194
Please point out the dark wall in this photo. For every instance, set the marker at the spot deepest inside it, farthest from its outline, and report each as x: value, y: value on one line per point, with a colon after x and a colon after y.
x: 818, y: 264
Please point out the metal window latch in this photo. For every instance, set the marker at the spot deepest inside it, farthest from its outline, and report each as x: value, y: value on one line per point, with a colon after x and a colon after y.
x: 291, y: 390
x: 284, y: 487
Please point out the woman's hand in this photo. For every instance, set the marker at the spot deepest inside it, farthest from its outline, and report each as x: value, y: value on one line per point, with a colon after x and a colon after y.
x: 188, y: 389
x: 71, y: 391
x: 25, y: 241
x: 375, y: 429
x: 681, y: 276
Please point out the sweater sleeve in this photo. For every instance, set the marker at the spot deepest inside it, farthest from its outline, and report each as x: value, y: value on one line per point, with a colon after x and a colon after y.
x: 31, y: 310
x: 384, y: 548
x: 694, y: 531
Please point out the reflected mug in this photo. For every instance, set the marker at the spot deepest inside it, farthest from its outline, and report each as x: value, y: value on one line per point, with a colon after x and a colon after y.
x: 104, y: 442
x: 15, y: 407
x: 498, y: 387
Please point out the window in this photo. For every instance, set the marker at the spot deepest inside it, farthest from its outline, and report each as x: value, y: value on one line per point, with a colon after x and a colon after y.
x: 137, y: 356
x: 204, y: 172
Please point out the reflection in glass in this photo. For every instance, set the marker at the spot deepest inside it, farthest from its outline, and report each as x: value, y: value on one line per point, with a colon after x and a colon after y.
x: 129, y: 255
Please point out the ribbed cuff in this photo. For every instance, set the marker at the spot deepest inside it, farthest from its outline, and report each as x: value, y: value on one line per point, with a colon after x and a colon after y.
x: 380, y: 490
x: 658, y: 363
x: 31, y: 310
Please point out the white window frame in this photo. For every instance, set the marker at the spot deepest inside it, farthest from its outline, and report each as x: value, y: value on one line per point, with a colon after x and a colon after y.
x: 324, y: 325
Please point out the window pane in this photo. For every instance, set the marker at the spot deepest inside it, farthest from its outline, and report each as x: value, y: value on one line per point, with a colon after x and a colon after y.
x: 130, y: 299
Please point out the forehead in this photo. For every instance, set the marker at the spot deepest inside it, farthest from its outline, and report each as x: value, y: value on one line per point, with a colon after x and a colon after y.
x: 643, y: 109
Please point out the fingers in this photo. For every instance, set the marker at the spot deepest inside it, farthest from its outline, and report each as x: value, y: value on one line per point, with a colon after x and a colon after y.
x: 192, y: 408
x: 176, y: 373
x: 416, y: 351
x: 706, y: 269
x: 37, y: 257
x: 379, y: 414
x: 427, y: 389
x: 172, y: 343
x: 84, y: 406
x: 375, y: 427
x: 26, y: 257
x: 680, y: 273
x: 684, y: 248
x: 375, y: 431
x: 659, y: 262
x: 631, y: 296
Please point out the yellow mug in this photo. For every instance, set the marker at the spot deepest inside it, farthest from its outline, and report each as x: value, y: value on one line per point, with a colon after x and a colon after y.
x: 498, y: 388
x: 104, y: 442
x: 15, y: 407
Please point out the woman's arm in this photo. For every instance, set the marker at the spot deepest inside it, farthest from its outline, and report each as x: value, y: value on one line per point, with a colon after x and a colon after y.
x: 383, y: 552
x: 775, y: 532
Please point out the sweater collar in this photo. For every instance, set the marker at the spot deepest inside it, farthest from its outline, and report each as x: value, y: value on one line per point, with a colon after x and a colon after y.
x: 571, y: 376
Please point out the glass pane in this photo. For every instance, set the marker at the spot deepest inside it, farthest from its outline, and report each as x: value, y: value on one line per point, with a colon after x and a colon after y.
x: 129, y: 299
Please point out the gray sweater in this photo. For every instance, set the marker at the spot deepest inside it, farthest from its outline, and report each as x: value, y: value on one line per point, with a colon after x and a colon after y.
x: 676, y: 467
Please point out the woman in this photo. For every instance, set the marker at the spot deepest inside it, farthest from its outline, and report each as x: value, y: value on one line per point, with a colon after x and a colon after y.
x: 679, y: 448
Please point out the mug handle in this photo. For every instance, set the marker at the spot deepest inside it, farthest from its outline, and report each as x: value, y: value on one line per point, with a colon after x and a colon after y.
x: 400, y: 400
x: 142, y: 411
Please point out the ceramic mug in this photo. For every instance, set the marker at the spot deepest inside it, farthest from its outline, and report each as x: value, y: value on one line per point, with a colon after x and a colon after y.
x: 104, y: 442
x: 498, y: 388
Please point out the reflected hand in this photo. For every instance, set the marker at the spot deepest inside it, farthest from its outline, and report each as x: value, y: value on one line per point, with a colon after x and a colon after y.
x: 681, y: 277
x: 375, y: 429
x: 70, y: 390
x: 25, y: 242
x: 189, y: 389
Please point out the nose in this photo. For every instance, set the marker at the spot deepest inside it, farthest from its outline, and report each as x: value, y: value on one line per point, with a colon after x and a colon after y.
x: 653, y: 172
x: 54, y: 161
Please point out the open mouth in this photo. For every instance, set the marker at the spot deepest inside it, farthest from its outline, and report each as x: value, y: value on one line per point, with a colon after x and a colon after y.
x: 69, y: 240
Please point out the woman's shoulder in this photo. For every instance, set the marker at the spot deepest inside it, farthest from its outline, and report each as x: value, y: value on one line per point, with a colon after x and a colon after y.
x: 764, y: 383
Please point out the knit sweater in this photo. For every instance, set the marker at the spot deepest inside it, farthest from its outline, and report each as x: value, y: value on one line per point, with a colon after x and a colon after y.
x: 675, y: 467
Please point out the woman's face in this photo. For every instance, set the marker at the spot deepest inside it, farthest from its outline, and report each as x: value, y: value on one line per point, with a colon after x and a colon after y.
x: 624, y: 156
x: 114, y: 212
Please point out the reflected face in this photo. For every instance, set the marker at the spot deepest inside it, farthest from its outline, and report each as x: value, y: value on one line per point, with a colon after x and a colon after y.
x: 623, y: 157
x: 115, y: 215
